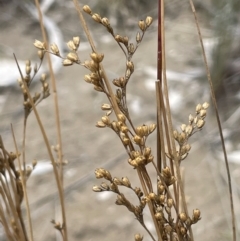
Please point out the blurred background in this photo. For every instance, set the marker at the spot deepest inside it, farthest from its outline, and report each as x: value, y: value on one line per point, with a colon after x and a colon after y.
x: 94, y: 216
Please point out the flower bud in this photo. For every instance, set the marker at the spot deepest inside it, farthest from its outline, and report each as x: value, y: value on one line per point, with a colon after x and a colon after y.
x: 76, y: 41
x: 141, y: 25
x: 54, y: 49
x: 96, y: 17
x: 87, y: 9
x: 67, y: 62
x: 40, y: 45
x: 149, y: 21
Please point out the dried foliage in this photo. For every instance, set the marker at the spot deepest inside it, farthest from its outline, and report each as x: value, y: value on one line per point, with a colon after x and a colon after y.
x: 164, y: 197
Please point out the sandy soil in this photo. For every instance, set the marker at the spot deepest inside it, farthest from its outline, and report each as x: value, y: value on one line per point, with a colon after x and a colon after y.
x: 94, y: 216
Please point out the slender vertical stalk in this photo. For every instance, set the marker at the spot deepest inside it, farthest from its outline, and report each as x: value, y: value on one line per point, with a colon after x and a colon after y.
x: 54, y: 90
x: 218, y: 122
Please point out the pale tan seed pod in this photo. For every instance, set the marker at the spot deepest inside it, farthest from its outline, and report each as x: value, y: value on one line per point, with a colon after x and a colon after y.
x: 145, y: 130
x: 121, y: 118
x: 124, y: 129
x: 147, y: 152
x: 140, y: 131
x: 43, y: 78
x: 28, y: 62
x: 205, y: 105
x: 151, y: 128
x: 162, y: 199
x: 159, y: 216
x: 87, y: 78
x: 183, y: 127
x: 72, y: 56
x: 45, y: 86
x: 138, y: 37
x: 168, y: 229
x: 126, y: 141
x: 125, y: 40
x: 40, y: 54
x: 107, y: 175
x: 76, y: 41
x: 161, y: 188
x: 40, y: 45
x: 55, y: 49
x: 131, y: 48
x: 117, y: 181
x: 105, y: 22
x: 115, y: 126
x: 152, y: 196
x: 130, y: 66
x: 200, y: 123
x: 100, y: 124
x: 126, y: 182
x: 96, y: 17
x: 67, y: 62
x: 188, y: 147
x: 183, y: 231
x: 141, y: 25
x: 105, y: 186
x: 196, y: 215
x: 189, y: 130
x: 166, y: 172
x: 99, y: 173
x: 118, y: 38
x: 195, y: 120
x: 28, y: 69
x: 116, y: 82
x: 106, y: 107
x: 36, y: 97
x: 97, y: 57
x: 106, y: 120
x: 150, y: 159
x: 98, y: 88
x: 182, y: 137
x: 170, y: 202
x: 128, y: 74
x: 71, y: 45
x: 120, y: 200
x: 198, y: 108
x: 137, y: 139
x: 123, y: 82
x: 133, y: 163
x: 190, y: 118
x: 97, y: 189
x: 183, y: 217
x: 203, y: 113
x: 87, y: 9
x: 148, y: 21
x: 138, y: 237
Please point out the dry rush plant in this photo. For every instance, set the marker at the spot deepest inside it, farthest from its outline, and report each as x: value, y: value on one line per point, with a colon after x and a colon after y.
x: 166, y: 201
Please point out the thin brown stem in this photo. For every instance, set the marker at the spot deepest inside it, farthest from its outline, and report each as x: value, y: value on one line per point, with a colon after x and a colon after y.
x: 218, y: 122
x: 23, y: 178
x: 56, y: 174
x: 54, y: 90
x: 90, y: 40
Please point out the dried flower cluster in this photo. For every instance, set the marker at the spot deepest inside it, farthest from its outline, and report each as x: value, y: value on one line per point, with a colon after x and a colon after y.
x: 195, y: 124
x: 170, y: 222
x: 12, y: 193
x: 25, y: 82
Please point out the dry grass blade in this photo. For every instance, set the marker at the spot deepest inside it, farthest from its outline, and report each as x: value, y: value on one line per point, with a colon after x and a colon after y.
x: 23, y: 178
x: 218, y: 122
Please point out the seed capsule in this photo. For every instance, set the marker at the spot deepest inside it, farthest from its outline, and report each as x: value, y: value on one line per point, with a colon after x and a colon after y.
x: 87, y: 9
